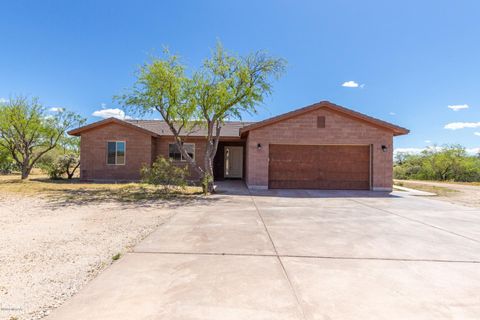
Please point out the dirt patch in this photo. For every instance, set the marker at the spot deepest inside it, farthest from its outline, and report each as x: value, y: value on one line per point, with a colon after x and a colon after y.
x: 467, y: 194
x: 55, y: 238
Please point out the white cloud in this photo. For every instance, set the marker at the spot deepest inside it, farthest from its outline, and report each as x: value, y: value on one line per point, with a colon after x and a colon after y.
x: 351, y: 84
x: 428, y: 141
x: 458, y: 107
x: 461, y: 125
x: 473, y: 151
x: 3, y: 100
x: 392, y: 113
x: 109, y: 113
x: 56, y: 109
x: 103, y: 105
x: 477, y: 133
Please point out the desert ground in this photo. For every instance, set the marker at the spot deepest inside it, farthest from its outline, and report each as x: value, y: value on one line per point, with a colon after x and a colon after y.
x: 57, y: 236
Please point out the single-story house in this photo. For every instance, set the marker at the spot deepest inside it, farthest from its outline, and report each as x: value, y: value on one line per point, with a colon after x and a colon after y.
x: 321, y: 146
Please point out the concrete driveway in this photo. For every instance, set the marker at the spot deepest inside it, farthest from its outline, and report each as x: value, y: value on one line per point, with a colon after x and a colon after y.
x: 297, y: 255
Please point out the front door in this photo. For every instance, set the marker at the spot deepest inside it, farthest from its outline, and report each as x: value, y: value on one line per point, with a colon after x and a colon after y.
x: 233, y: 162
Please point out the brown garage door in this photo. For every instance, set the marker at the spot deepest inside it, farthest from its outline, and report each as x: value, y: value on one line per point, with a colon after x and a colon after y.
x: 319, y: 167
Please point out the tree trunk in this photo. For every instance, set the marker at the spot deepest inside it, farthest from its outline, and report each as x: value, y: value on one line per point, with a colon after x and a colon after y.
x: 25, y: 171
x: 207, y: 181
x: 70, y: 174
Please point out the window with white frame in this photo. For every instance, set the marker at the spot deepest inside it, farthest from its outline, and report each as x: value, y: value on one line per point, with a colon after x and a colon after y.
x: 116, y: 152
x: 175, y: 154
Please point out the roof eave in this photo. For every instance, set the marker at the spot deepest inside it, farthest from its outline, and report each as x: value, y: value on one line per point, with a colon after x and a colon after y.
x: 78, y: 131
x: 401, y: 132
x: 326, y: 104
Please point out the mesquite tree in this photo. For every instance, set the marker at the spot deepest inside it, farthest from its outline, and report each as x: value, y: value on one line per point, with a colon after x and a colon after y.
x: 70, y: 159
x: 225, y: 87
x: 28, y: 132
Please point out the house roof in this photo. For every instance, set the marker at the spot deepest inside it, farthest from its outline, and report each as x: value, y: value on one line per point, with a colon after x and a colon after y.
x: 239, y: 128
x: 80, y: 130
x: 160, y: 128
x: 229, y: 128
x: 331, y: 106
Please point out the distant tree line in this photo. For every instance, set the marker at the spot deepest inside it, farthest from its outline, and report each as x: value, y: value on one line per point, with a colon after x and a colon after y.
x: 447, y: 163
x: 33, y: 137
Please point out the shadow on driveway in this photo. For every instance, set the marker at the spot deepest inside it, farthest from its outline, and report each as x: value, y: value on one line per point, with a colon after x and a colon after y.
x: 238, y: 188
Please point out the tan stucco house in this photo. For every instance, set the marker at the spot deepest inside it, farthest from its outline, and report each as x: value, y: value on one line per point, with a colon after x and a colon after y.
x: 321, y: 146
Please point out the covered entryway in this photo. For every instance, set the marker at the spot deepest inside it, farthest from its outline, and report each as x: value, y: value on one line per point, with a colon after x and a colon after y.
x: 229, y: 161
x: 233, y: 158
x: 319, y: 167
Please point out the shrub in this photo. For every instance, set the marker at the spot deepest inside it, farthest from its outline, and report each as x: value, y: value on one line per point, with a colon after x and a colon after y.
x: 166, y: 174
x: 70, y: 163
x: 56, y: 166
x: 51, y: 165
x: 451, y: 162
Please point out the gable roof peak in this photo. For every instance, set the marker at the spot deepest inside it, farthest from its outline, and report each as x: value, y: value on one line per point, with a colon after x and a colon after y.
x: 78, y: 131
x: 397, y: 130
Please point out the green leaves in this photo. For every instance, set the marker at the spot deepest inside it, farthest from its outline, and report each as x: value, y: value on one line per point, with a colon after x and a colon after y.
x: 228, y: 85
x: 449, y: 162
x: 224, y: 88
x: 162, y: 86
x: 27, y: 131
x: 165, y: 173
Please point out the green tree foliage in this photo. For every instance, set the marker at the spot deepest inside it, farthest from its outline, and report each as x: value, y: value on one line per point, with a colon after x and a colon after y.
x: 449, y: 163
x: 63, y: 160
x: 70, y: 159
x: 57, y: 165
x: 165, y: 173
x: 225, y: 87
x: 7, y: 164
x: 50, y: 164
x: 27, y: 132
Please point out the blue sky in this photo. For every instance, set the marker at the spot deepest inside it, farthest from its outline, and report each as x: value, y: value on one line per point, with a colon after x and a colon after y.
x: 410, y: 59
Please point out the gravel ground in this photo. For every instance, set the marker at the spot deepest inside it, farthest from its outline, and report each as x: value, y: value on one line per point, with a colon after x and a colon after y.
x: 49, y: 251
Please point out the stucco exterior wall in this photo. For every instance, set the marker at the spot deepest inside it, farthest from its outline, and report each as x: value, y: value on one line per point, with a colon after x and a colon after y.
x: 302, y: 129
x: 93, y: 153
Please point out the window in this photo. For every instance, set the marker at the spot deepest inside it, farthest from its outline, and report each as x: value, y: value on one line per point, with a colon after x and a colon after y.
x: 116, y: 152
x: 174, y: 152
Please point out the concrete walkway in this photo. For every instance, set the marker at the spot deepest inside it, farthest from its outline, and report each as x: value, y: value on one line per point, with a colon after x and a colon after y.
x: 288, y: 254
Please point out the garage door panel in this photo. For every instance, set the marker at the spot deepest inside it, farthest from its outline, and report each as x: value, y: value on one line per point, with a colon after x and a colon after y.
x: 319, y: 167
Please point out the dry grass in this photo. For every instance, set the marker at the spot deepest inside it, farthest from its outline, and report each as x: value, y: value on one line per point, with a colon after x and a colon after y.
x: 441, y: 182
x: 76, y: 192
x: 440, y: 191
x: 460, y: 183
x: 56, y: 235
